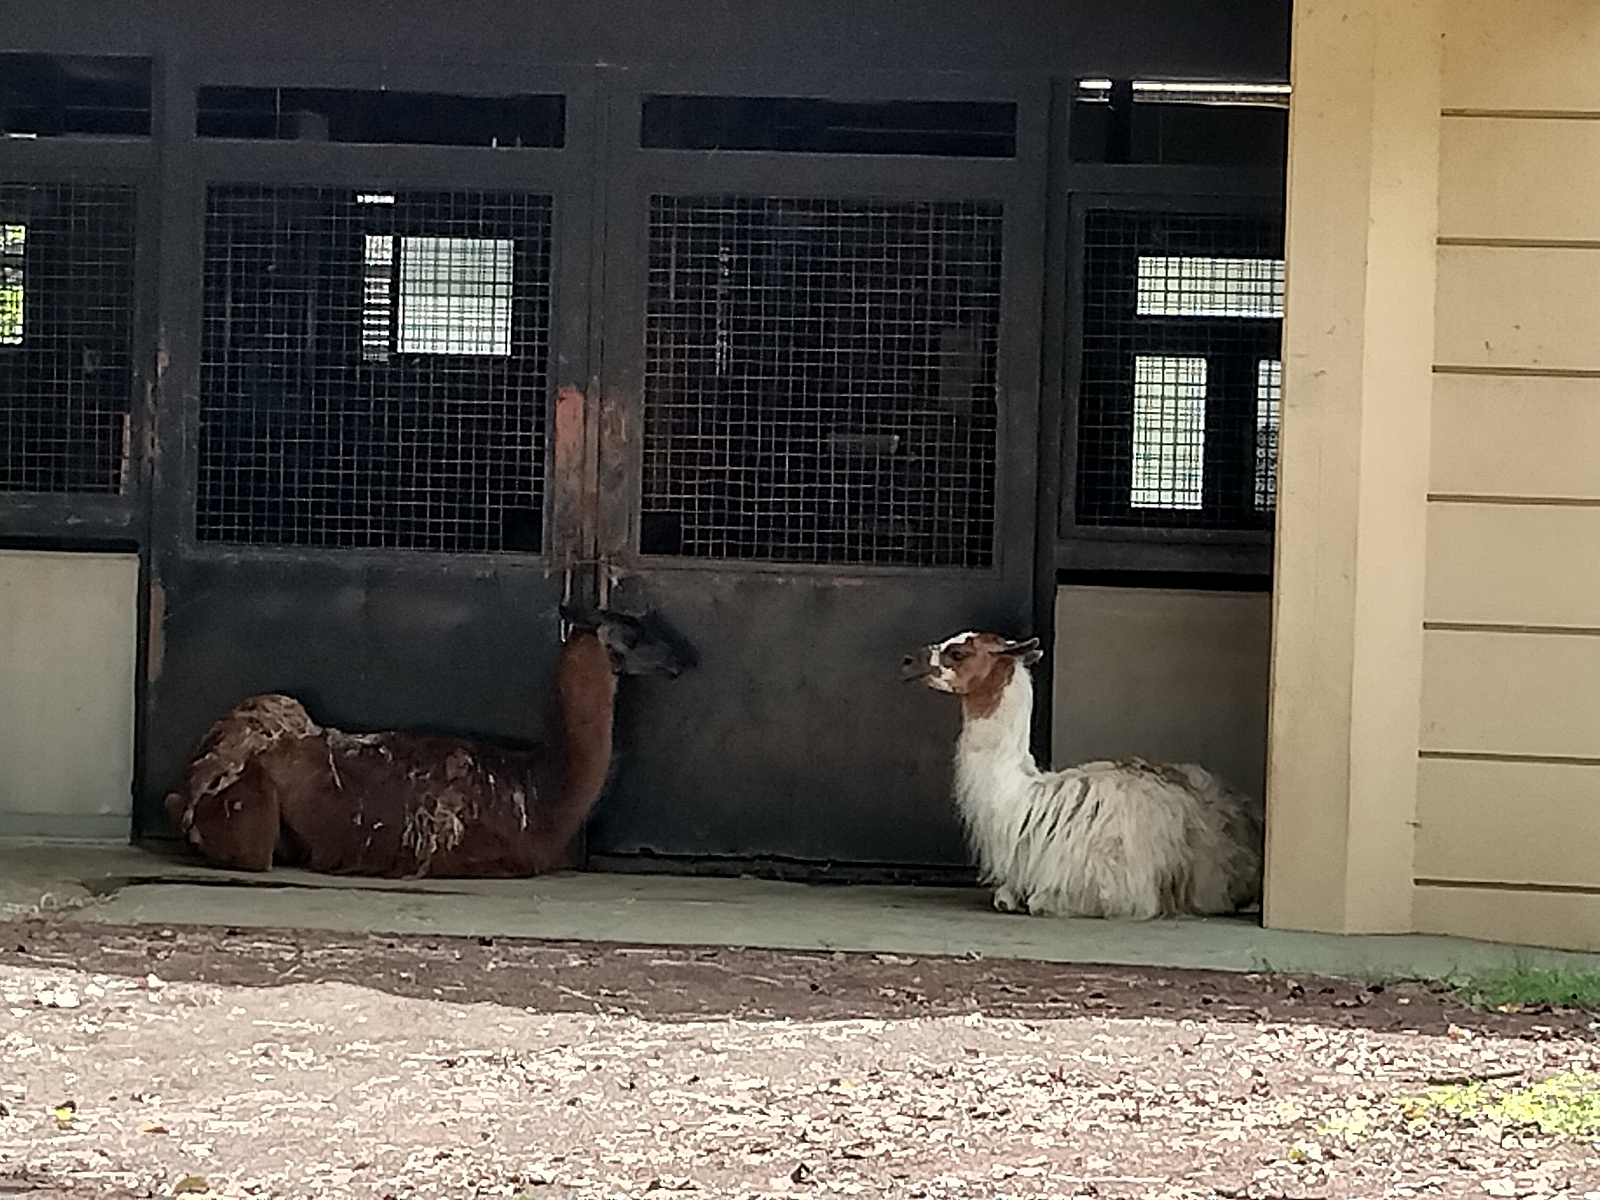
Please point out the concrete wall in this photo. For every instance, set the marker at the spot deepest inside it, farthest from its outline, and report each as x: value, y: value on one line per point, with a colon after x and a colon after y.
x: 68, y: 631
x: 1166, y: 674
x: 1508, y: 805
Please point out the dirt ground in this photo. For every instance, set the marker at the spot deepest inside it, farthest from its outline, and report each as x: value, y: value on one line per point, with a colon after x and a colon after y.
x: 159, y: 1062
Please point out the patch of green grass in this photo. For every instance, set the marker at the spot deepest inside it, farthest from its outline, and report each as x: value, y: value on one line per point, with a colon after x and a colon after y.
x: 1565, y: 1105
x: 1522, y: 986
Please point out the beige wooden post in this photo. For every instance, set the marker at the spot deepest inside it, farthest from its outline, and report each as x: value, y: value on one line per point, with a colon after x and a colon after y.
x: 1352, y: 493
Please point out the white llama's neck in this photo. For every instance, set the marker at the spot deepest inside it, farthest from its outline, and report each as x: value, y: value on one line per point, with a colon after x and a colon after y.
x: 995, y: 774
x: 996, y: 744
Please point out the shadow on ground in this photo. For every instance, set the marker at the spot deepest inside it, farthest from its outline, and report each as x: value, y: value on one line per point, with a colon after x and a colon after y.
x: 682, y: 983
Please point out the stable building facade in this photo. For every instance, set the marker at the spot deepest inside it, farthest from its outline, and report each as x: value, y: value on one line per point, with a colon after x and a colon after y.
x: 1238, y: 350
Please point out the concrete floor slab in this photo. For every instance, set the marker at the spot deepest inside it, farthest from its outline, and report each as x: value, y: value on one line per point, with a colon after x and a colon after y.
x: 124, y: 884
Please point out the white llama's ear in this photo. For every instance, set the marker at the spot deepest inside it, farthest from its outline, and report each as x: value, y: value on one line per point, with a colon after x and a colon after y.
x: 1027, y: 651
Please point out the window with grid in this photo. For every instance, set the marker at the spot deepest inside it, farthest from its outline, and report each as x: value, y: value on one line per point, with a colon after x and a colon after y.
x: 13, y: 268
x: 374, y: 370
x: 820, y: 380
x: 66, y: 330
x: 1178, y: 398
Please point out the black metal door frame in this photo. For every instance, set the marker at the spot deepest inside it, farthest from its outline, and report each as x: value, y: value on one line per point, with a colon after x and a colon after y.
x: 105, y: 522
x: 759, y: 768
x: 1084, y: 547
x: 598, y: 178
x: 368, y: 636
x: 109, y: 520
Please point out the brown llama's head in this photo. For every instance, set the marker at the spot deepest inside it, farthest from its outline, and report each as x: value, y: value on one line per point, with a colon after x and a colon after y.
x: 977, y: 665
x: 635, y: 645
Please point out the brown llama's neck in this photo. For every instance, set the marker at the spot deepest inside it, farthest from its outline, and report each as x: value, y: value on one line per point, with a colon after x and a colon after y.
x: 585, y: 694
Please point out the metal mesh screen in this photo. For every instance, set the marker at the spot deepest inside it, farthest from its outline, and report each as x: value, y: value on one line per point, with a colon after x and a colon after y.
x: 374, y: 369
x: 1269, y: 391
x: 66, y: 329
x: 820, y: 380
x: 1178, y: 402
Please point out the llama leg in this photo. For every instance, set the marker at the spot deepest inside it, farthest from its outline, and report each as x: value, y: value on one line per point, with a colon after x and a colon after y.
x: 1006, y: 900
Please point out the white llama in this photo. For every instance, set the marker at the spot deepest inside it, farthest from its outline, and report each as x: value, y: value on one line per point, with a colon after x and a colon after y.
x: 1103, y: 839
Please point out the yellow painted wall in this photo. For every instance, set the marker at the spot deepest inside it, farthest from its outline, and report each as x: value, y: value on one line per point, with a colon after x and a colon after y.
x: 1508, y: 805
x: 1163, y: 673
x: 1347, y: 654
x: 68, y: 629
x: 1434, y: 745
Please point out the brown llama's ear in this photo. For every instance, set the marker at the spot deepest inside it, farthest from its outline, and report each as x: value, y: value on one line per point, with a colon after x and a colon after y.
x: 581, y: 618
x: 1027, y: 651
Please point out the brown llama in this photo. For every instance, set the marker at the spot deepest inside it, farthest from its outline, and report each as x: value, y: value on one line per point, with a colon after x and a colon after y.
x: 268, y: 784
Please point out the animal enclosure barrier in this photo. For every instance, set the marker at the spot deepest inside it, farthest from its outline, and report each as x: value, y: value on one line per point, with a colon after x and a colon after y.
x: 66, y: 326
x: 820, y: 380
x: 1178, y: 409
x: 374, y: 368
x: 376, y: 341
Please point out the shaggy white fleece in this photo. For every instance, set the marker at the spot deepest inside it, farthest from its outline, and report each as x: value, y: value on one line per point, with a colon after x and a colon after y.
x: 1103, y: 839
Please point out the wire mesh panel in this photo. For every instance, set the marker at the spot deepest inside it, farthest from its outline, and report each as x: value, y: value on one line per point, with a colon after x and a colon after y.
x: 66, y: 329
x: 820, y: 381
x: 1178, y: 399
x: 1269, y: 391
x: 1169, y: 426
x: 374, y: 369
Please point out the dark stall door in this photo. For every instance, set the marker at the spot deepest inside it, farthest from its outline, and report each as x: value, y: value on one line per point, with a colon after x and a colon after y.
x: 817, y: 450
x: 767, y: 368
x: 361, y: 505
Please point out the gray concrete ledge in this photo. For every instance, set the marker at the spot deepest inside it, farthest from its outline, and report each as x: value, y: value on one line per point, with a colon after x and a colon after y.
x: 122, y: 884
x: 108, y: 827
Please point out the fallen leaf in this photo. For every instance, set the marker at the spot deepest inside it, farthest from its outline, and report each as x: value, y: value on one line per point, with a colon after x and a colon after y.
x: 190, y: 1183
